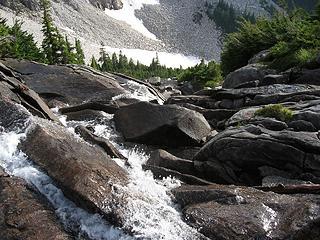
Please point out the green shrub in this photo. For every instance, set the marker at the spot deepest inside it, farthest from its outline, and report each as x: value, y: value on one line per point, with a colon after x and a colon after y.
x: 17, y: 43
x: 292, y: 40
x: 205, y: 75
x: 276, y: 111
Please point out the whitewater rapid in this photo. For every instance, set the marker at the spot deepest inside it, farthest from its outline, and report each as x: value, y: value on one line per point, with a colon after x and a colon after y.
x: 150, y: 212
x: 74, y: 219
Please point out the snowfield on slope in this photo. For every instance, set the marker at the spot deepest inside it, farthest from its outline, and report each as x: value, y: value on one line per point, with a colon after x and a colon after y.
x: 127, y: 14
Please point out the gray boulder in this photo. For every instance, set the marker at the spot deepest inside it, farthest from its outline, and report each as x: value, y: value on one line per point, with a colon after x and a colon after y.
x: 164, y: 125
x: 231, y: 212
x: 259, y: 57
x: 309, y: 77
x: 85, y: 173
x: 65, y: 83
x: 249, y: 73
x: 25, y: 215
x: 162, y: 158
x: 235, y: 155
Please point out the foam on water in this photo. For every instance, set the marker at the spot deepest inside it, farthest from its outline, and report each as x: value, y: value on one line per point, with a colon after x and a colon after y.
x: 137, y: 91
x: 73, y: 218
x: 127, y: 14
x: 150, y: 211
x: 269, y: 219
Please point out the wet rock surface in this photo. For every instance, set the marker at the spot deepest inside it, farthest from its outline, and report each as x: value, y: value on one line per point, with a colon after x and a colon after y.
x: 274, y: 165
x: 85, y: 173
x: 24, y: 214
x: 230, y: 212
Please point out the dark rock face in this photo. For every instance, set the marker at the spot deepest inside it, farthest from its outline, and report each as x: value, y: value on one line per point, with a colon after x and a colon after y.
x: 85, y: 173
x: 20, y: 4
x: 246, y: 74
x: 64, y: 83
x: 161, y: 158
x: 236, y: 155
x: 107, y: 146
x: 229, y: 212
x: 84, y: 115
x: 12, y: 92
x: 201, y: 101
x: 166, y: 125
x: 163, y: 164
x: 309, y: 77
x: 24, y: 215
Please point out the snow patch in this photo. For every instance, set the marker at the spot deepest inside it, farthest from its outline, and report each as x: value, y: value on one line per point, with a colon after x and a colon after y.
x: 127, y: 14
x: 174, y: 60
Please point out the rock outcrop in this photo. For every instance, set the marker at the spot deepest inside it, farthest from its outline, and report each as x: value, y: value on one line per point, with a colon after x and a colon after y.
x: 230, y: 212
x: 85, y: 173
x: 246, y: 75
x: 24, y: 214
x: 65, y: 83
x: 241, y: 155
x: 167, y: 125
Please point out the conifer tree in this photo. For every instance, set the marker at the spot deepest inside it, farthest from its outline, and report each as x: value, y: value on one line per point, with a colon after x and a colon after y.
x: 54, y: 45
x: 79, y: 52
x: 68, y: 55
x: 115, y: 62
x: 94, y: 63
x: 105, y: 60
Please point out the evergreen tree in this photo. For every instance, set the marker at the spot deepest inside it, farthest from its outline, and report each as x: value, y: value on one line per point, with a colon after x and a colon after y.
x: 54, y: 46
x: 94, y: 63
x: 115, y: 62
x: 79, y: 52
x: 68, y: 55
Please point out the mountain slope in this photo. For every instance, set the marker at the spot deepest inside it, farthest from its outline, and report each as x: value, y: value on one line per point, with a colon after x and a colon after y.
x: 179, y: 27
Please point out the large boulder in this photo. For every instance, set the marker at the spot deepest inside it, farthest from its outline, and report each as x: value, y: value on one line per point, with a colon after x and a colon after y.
x: 13, y: 89
x: 85, y: 173
x: 24, y: 215
x: 309, y: 77
x: 161, y: 158
x: 249, y: 73
x: 164, y: 125
x: 270, y: 94
x: 230, y: 212
x: 239, y: 155
x: 65, y: 83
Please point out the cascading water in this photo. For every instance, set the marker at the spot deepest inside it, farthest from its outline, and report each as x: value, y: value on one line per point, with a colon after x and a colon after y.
x: 150, y: 211
x: 74, y: 219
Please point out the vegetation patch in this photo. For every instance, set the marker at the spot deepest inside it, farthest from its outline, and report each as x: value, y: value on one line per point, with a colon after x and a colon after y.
x: 293, y: 39
x: 276, y: 111
x: 226, y: 16
x: 203, y: 74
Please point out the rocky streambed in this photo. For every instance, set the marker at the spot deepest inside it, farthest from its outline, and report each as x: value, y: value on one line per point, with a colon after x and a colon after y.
x: 86, y: 155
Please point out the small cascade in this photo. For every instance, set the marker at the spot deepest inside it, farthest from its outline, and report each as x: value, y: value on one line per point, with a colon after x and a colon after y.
x: 74, y: 219
x: 150, y: 211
